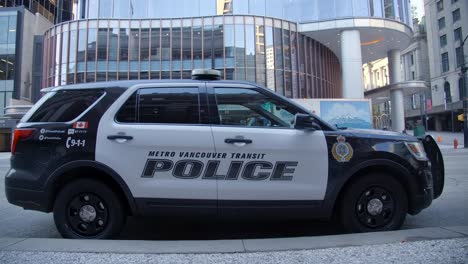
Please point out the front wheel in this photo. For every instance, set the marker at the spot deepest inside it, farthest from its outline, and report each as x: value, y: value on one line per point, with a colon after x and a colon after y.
x: 375, y: 202
x: 87, y: 208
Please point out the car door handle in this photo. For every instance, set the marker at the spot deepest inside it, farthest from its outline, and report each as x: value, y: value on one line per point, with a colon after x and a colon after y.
x: 237, y: 140
x: 114, y: 137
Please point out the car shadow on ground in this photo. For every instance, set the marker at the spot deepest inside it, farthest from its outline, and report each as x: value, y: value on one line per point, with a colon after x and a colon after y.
x: 148, y: 228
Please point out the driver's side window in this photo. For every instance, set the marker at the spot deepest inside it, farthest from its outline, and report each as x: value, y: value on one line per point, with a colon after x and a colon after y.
x: 249, y: 108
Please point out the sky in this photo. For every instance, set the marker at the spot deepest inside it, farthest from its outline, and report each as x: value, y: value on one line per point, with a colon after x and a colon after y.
x: 419, y: 4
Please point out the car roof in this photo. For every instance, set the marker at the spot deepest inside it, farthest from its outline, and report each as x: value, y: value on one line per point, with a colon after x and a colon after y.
x: 129, y: 83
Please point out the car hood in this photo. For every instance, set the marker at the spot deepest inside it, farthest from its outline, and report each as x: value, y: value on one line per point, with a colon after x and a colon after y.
x: 374, y: 133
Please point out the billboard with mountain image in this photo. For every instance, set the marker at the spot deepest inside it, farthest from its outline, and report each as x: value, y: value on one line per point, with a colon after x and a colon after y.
x: 349, y: 114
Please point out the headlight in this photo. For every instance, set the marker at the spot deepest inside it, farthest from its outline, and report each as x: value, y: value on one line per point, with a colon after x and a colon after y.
x: 417, y: 150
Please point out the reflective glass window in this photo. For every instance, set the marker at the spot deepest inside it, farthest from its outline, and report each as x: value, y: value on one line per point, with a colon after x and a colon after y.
x: 249, y: 108
x: 12, y: 29
x: 187, y: 48
x: 250, y: 52
x: 139, y: 8
x: 218, y: 48
x: 360, y: 7
x: 176, y: 51
x: 260, y: 55
x: 81, y: 44
x: 270, y: 58
x: 344, y: 8
x: 376, y: 8
x: 91, y: 50
x: 57, y: 54
x: 240, y: 52
x: 229, y: 47
x: 208, y: 47
x: 456, y: 15
x: 155, y: 44
x: 121, y: 8
x: 65, y: 105
x: 93, y: 8
x: 144, y: 46
x: 327, y: 9
x: 165, y: 48
x: 113, y: 44
x: 4, y: 29
x: 134, y: 44
x: 102, y: 44
x: 389, y: 8
x: 168, y: 106
x: 105, y: 8
x: 197, y: 47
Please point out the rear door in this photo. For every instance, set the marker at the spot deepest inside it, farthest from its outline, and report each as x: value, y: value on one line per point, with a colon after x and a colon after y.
x: 264, y: 158
x: 153, y: 137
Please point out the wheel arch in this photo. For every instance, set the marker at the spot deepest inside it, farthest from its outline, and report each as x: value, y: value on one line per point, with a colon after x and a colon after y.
x: 94, y: 170
x: 383, y: 166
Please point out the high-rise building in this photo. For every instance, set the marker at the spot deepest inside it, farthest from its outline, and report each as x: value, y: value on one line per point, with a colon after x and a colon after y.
x: 300, y: 48
x: 447, y: 26
x: 22, y: 26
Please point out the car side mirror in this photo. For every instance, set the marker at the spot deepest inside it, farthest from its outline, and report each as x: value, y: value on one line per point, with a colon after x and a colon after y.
x: 306, y: 122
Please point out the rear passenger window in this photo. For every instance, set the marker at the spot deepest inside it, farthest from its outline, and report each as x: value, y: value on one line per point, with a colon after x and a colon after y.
x: 65, y: 105
x: 163, y: 106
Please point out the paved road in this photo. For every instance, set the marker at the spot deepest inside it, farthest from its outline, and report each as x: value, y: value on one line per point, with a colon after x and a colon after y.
x: 450, y: 209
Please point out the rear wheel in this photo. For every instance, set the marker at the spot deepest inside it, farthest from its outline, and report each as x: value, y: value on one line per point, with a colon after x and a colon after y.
x: 374, y: 202
x: 87, y: 208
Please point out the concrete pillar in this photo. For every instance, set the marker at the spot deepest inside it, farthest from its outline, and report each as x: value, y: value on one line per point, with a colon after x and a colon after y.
x: 351, y: 63
x: 398, y: 110
x: 396, y: 94
x: 371, y: 75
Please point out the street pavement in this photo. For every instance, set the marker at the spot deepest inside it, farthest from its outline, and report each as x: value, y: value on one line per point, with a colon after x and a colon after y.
x: 424, y: 252
x: 451, y: 209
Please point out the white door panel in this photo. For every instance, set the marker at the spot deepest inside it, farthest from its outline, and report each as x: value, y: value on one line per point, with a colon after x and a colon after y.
x: 305, y: 181
x: 167, y: 142
x: 140, y: 161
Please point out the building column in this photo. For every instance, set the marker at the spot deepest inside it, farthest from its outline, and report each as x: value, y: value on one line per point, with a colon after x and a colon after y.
x: 396, y: 94
x: 370, y: 68
x: 351, y: 63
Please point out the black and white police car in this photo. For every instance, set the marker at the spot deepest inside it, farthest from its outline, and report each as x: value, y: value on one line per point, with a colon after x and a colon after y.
x: 95, y: 153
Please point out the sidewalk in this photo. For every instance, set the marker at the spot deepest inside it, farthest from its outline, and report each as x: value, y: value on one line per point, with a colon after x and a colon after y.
x: 424, y: 245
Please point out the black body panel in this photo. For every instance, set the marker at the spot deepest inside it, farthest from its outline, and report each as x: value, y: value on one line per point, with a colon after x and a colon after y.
x: 383, y: 152
x: 437, y: 164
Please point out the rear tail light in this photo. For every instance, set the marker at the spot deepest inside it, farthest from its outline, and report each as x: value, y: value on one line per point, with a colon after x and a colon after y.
x: 20, y: 133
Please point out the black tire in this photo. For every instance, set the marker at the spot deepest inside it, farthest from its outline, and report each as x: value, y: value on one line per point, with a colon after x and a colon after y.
x: 374, y: 202
x: 76, y: 200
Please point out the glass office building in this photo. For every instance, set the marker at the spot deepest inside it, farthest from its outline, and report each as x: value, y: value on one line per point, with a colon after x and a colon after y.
x: 254, y: 40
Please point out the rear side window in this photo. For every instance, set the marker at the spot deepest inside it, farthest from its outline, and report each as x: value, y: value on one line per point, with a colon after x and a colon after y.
x: 162, y: 106
x: 65, y: 105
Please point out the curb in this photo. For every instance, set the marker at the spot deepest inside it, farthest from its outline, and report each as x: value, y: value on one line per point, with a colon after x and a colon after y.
x: 229, y: 246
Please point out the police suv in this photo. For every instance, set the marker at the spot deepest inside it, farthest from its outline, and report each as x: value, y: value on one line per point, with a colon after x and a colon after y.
x: 95, y: 153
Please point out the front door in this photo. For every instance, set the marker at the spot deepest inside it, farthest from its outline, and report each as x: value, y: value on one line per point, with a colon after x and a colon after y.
x: 266, y: 159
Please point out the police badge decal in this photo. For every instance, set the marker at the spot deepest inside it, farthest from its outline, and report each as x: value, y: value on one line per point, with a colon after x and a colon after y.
x: 342, y: 150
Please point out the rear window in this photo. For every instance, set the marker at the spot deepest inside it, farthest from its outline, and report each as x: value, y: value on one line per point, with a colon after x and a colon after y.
x: 65, y: 105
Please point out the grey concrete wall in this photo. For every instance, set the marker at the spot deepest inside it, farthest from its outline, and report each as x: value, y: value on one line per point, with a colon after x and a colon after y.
x: 33, y: 24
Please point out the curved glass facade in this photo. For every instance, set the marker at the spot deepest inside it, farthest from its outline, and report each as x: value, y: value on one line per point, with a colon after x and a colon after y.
x: 264, y: 50
x: 292, y: 10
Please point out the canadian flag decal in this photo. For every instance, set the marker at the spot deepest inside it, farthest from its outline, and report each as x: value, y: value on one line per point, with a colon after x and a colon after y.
x: 80, y: 125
